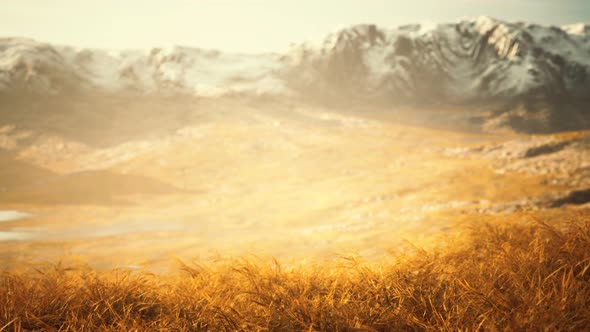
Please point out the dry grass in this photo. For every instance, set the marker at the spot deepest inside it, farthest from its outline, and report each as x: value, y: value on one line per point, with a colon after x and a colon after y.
x: 529, y: 276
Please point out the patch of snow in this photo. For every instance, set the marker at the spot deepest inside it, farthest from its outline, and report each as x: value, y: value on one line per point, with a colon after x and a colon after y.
x: 580, y: 29
x: 427, y: 27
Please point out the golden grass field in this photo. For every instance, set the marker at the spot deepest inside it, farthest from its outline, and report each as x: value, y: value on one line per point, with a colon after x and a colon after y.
x: 214, y: 216
x: 500, y: 277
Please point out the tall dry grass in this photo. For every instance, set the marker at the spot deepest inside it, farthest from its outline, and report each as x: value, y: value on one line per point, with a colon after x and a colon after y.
x: 518, y: 277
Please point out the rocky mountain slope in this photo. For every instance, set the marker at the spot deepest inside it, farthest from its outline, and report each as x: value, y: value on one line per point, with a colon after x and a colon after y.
x: 33, y: 67
x: 530, y: 73
x: 473, y: 59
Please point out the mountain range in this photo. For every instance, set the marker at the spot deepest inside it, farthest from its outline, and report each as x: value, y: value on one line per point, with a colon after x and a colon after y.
x: 528, y: 77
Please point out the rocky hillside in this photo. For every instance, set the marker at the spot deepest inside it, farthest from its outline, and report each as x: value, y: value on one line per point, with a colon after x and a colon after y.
x: 473, y: 59
x: 538, y: 75
x: 33, y: 67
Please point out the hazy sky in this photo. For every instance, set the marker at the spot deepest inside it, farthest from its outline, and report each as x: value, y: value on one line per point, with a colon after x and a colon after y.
x: 248, y: 25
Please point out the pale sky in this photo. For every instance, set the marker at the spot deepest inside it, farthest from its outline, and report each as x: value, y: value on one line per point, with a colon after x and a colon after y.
x: 248, y: 25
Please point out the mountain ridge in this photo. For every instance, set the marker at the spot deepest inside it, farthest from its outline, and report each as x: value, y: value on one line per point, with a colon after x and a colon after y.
x: 478, y: 57
x: 478, y: 60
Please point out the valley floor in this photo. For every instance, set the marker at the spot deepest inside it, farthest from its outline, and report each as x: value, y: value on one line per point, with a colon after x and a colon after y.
x: 209, y: 179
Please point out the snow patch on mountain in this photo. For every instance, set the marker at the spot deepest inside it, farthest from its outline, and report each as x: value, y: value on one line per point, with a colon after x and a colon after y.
x: 580, y: 29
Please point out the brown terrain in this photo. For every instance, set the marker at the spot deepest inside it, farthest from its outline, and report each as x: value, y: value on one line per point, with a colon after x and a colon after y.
x: 118, y: 182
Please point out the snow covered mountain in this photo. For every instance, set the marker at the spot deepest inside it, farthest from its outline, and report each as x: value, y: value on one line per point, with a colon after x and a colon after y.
x: 30, y: 66
x: 471, y: 60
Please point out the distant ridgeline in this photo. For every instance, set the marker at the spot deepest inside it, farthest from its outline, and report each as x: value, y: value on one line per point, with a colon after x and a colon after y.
x: 519, y: 72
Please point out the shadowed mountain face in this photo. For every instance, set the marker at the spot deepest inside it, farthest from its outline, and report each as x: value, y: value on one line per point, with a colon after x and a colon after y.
x: 520, y: 76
